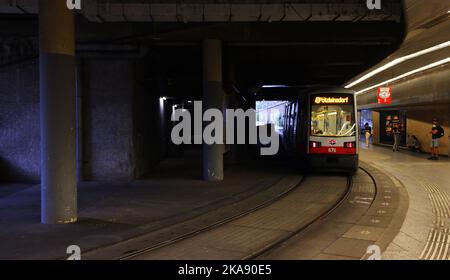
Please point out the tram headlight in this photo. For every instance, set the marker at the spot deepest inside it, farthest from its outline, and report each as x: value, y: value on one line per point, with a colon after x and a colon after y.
x: 350, y: 145
x: 314, y: 144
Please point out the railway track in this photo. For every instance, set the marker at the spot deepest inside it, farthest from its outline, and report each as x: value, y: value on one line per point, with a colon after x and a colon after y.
x: 210, y: 227
x: 266, y: 253
x: 265, y: 226
x: 302, y: 228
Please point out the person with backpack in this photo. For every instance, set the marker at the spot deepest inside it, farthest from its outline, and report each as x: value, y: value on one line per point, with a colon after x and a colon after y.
x: 437, y: 132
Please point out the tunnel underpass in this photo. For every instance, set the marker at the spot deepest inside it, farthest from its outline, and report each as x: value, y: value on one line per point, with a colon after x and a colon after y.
x: 90, y: 99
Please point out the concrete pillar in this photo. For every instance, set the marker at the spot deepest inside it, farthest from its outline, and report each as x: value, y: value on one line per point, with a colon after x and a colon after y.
x: 164, y: 111
x: 213, y: 97
x: 376, y: 127
x: 79, y: 117
x: 58, y: 111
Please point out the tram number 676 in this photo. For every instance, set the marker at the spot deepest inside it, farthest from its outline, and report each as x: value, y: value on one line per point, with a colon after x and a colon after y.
x: 332, y: 150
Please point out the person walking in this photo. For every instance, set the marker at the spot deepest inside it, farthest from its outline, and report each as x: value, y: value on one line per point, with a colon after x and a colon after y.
x: 437, y: 132
x: 397, y: 137
x: 368, y: 133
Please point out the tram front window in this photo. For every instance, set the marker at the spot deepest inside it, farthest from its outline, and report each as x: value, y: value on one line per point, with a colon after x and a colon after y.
x: 332, y: 120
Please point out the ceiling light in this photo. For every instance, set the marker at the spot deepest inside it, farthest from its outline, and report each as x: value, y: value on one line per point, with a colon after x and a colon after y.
x: 398, y: 61
x: 421, y: 69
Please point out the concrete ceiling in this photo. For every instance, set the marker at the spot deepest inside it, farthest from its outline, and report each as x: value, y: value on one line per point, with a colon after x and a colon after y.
x: 315, y: 46
x: 220, y: 10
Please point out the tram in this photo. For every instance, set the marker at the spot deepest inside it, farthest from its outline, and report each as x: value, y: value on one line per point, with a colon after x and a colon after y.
x: 320, y: 128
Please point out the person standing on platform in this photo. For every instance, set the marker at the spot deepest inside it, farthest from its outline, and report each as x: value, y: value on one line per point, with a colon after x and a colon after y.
x: 368, y: 133
x: 437, y: 132
x: 397, y: 137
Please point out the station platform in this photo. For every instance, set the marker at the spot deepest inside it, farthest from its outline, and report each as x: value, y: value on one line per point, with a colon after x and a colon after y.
x: 425, y: 231
x: 397, y: 201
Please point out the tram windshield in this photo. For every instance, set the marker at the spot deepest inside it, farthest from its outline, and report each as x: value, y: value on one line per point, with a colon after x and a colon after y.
x: 332, y: 120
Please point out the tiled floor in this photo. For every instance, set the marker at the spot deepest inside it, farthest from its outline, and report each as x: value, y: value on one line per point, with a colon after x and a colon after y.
x: 424, y: 233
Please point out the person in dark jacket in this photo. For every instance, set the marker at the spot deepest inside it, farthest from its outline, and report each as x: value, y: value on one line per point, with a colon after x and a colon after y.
x: 397, y: 136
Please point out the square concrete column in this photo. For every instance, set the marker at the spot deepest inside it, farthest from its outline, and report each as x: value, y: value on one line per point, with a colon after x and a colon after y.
x: 57, y: 112
x: 213, y: 97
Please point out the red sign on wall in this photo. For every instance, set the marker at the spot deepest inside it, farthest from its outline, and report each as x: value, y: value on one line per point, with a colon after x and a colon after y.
x: 384, y: 95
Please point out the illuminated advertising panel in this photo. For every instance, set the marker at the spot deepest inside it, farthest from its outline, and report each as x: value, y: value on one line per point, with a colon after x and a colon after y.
x: 384, y: 95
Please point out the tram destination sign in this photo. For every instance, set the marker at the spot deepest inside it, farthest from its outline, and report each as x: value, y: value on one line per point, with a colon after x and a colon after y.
x: 332, y: 100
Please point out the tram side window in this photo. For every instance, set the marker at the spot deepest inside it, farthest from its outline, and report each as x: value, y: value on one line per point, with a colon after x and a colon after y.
x: 332, y: 120
x: 271, y: 112
x: 294, y: 119
x: 286, y: 117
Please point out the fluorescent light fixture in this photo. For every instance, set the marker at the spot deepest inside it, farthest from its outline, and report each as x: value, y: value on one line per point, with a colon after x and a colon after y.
x: 421, y: 69
x: 332, y: 114
x: 274, y: 86
x: 398, y: 61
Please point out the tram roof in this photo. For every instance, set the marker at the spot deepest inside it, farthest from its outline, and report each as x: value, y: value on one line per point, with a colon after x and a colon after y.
x: 288, y: 92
